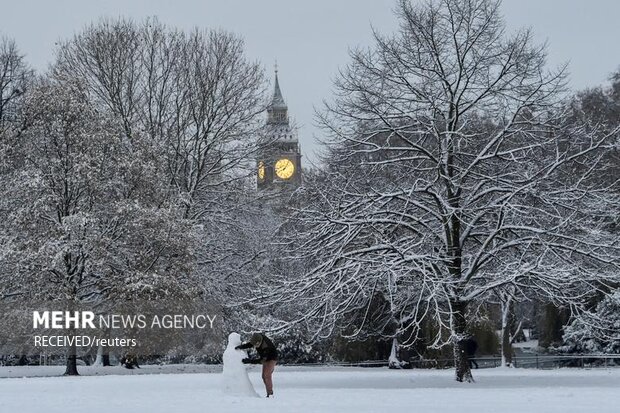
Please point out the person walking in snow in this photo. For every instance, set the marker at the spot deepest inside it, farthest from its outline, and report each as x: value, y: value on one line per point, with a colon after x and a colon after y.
x: 267, y: 356
x: 471, y: 346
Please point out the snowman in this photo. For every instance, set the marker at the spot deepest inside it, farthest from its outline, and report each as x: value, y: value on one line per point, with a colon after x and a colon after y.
x: 235, y: 375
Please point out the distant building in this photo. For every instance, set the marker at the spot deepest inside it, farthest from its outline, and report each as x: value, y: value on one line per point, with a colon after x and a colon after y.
x: 279, y: 162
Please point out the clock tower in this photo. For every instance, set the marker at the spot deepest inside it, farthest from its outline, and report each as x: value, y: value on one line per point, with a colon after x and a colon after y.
x: 279, y: 162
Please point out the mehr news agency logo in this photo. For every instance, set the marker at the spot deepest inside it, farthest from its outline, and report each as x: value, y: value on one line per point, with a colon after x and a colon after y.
x: 84, y: 320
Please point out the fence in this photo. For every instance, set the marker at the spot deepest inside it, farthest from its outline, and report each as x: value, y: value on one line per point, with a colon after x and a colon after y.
x: 538, y: 361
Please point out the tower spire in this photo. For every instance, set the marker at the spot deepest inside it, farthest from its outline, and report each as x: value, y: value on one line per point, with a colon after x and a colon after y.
x: 278, y: 101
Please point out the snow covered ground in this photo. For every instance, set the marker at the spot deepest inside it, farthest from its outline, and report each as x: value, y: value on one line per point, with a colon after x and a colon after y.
x: 55, y: 371
x: 301, y: 390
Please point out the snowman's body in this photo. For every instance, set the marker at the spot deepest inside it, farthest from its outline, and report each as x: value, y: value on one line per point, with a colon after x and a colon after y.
x: 235, y: 375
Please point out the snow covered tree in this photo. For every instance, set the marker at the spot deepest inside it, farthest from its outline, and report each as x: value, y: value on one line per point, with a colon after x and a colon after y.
x: 15, y: 79
x: 509, y: 329
x: 596, y: 331
x: 595, y: 328
x: 450, y: 173
x: 54, y: 198
x: 84, y: 229
x: 134, y: 163
x: 193, y: 101
x: 596, y: 108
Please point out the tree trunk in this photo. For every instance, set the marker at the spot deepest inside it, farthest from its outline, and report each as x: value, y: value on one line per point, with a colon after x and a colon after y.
x: 106, y: 359
x: 105, y: 352
x: 550, y: 332
x: 103, y: 357
x: 394, y: 361
x: 507, y: 331
x: 71, y: 361
x: 459, y: 335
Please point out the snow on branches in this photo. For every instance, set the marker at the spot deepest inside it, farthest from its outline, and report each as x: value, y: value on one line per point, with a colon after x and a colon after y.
x: 453, y: 169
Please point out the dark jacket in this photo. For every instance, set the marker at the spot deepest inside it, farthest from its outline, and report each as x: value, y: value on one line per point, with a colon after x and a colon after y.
x: 471, y: 346
x: 264, y: 347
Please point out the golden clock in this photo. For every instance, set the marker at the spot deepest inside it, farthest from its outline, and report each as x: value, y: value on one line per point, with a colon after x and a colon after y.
x: 284, y: 168
x: 261, y: 170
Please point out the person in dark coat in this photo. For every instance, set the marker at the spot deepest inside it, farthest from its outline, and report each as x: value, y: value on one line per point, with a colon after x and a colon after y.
x: 471, y: 346
x: 267, y: 356
x: 130, y: 361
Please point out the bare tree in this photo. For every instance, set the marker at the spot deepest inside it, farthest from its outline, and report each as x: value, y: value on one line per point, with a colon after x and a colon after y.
x: 15, y: 79
x: 194, y: 96
x: 450, y: 173
x: 15, y: 76
x: 106, y: 57
x: 222, y: 108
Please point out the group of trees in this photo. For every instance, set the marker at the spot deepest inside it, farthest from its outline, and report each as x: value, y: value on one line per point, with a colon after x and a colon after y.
x: 123, y: 165
x: 458, y: 171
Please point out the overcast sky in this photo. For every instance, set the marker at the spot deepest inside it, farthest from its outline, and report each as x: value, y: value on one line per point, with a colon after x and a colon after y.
x: 310, y: 38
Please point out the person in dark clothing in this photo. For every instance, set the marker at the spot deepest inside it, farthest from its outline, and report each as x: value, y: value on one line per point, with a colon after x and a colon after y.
x: 130, y: 361
x: 471, y: 346
x: 267, y: 356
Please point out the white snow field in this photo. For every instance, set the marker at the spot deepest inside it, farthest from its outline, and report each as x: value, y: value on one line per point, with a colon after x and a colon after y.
x: 304, y: 390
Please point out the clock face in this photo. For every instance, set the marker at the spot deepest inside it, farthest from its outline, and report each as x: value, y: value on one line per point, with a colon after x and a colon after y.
x: 284, y: 168
x: 261, y: 170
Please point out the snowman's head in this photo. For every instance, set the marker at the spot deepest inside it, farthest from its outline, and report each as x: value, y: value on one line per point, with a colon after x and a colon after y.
x: 234, y: 339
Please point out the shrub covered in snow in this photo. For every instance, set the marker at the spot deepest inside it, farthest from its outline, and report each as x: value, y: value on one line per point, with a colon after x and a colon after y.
x: 597, y: 331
